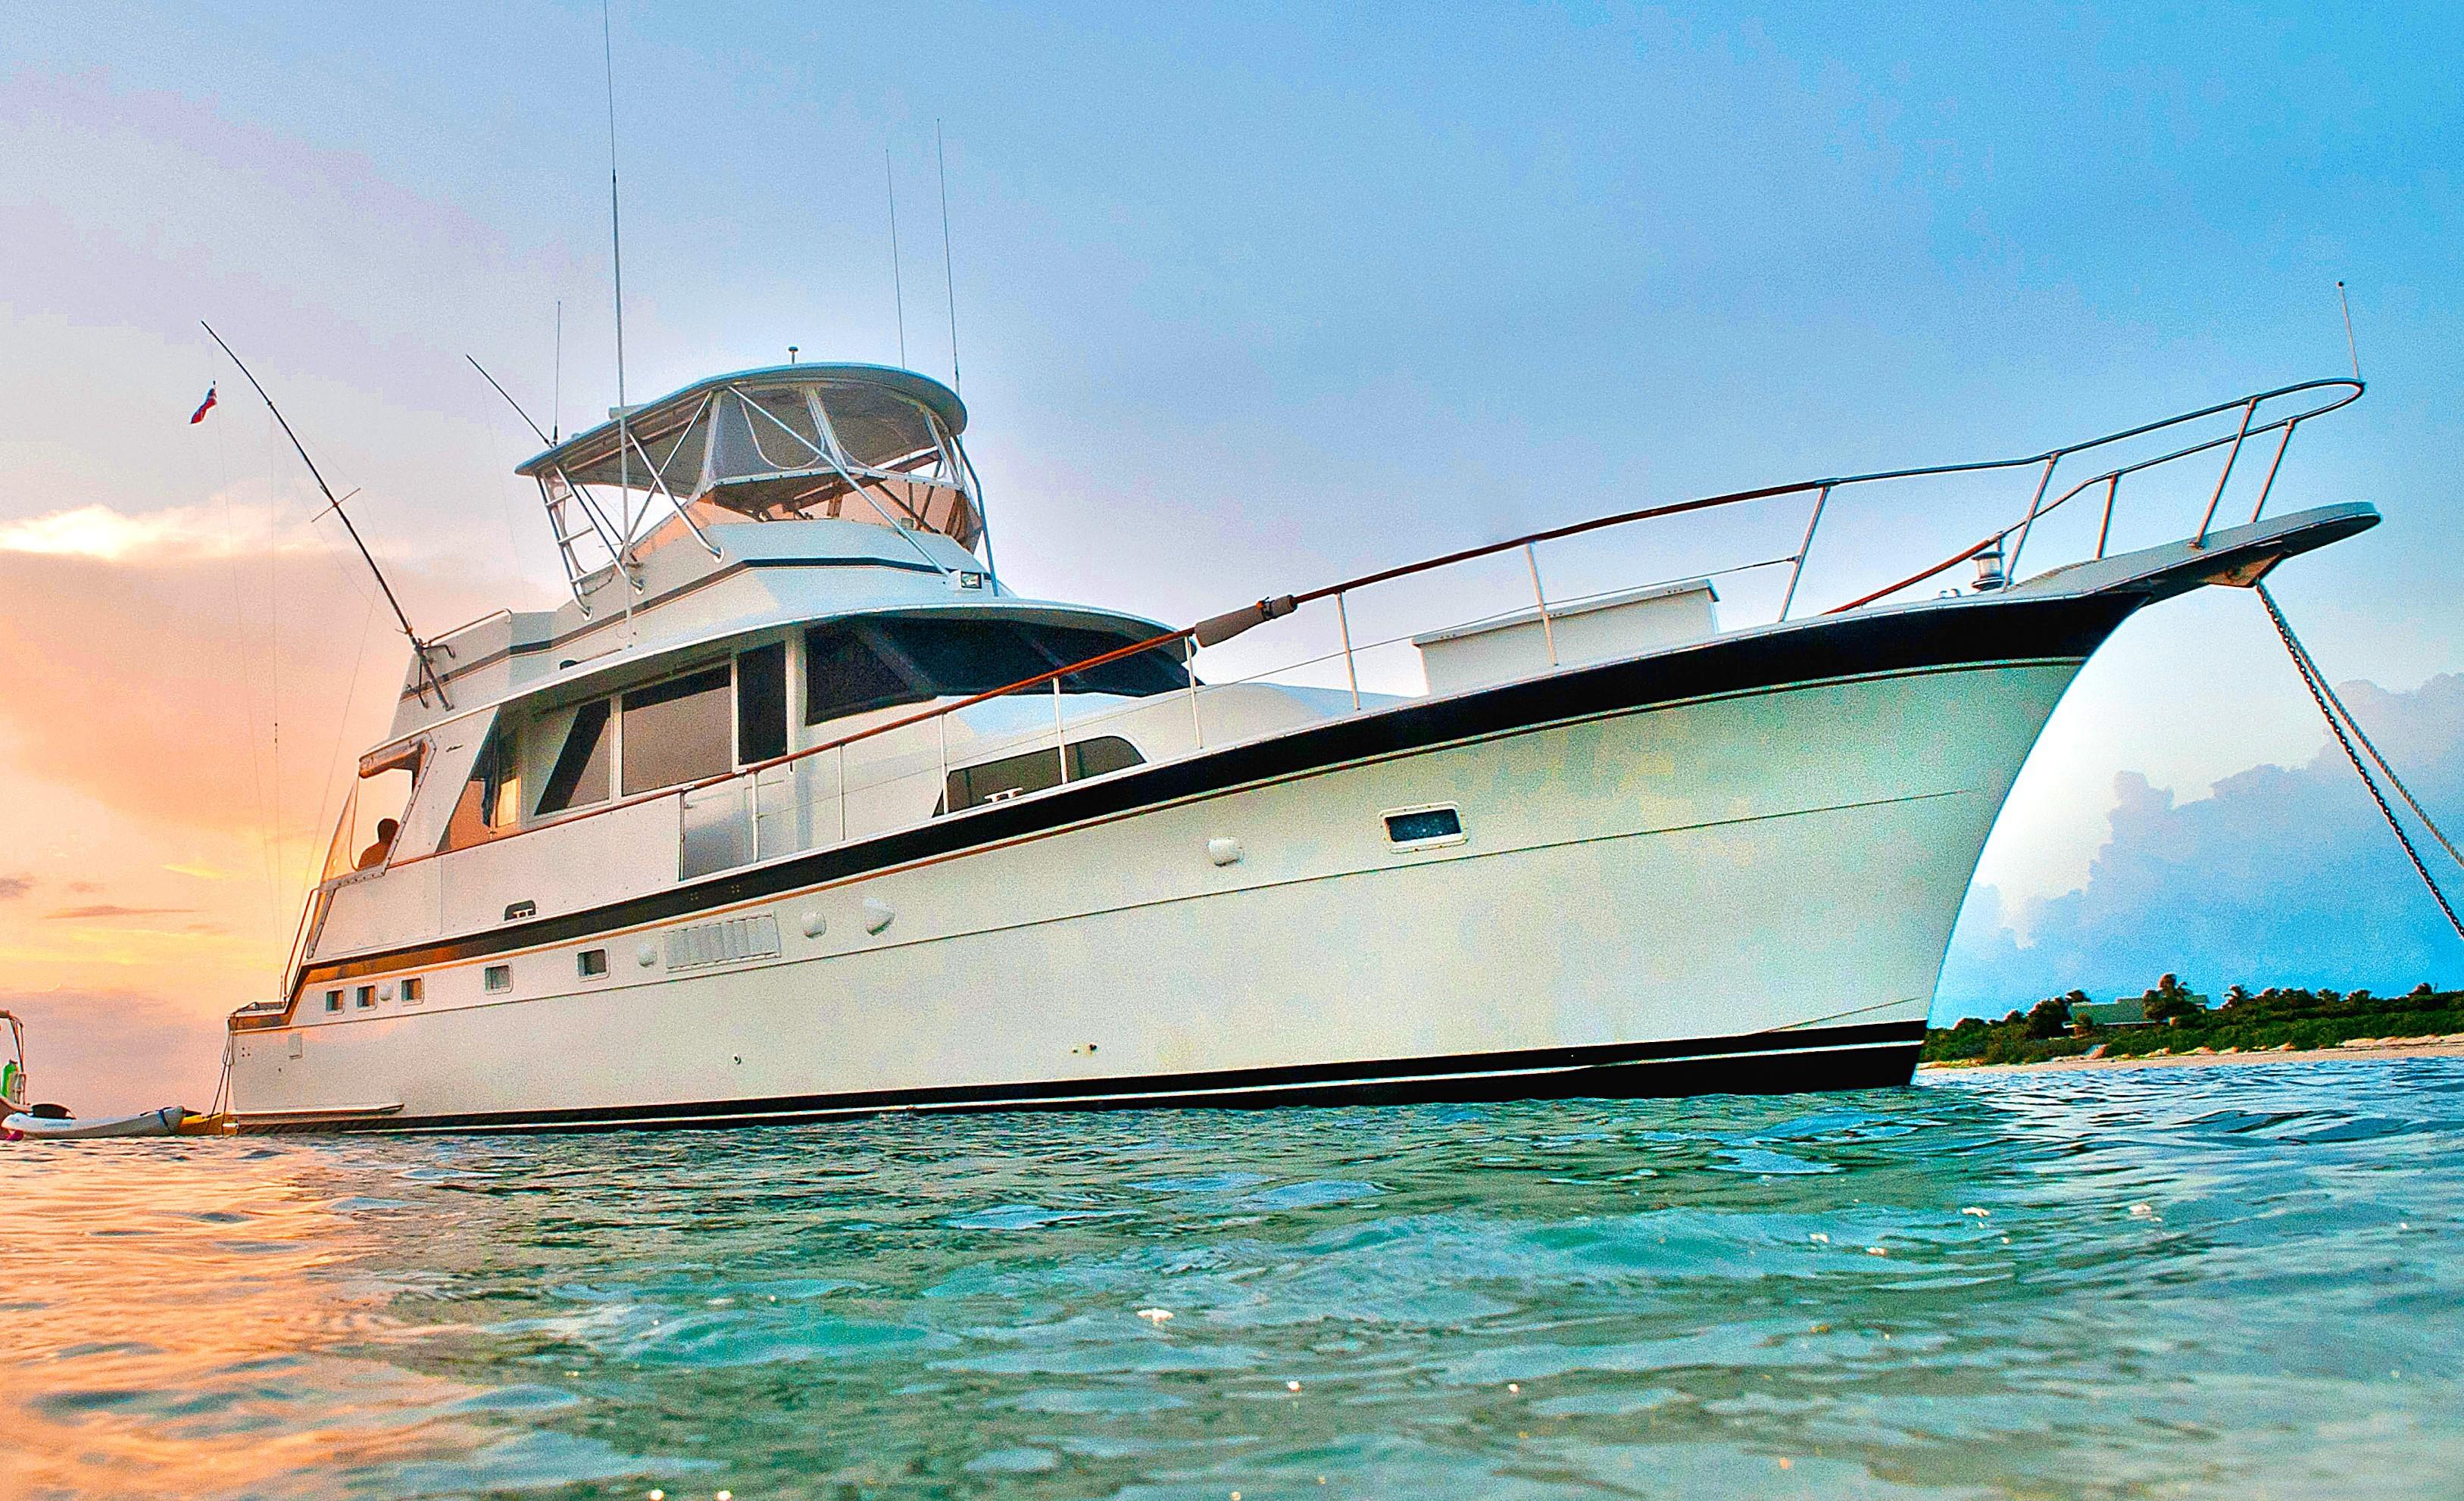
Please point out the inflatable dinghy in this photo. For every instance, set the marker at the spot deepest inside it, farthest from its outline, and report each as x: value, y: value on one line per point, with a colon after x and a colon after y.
x: 165, y: 1121
x: 20, y: 1121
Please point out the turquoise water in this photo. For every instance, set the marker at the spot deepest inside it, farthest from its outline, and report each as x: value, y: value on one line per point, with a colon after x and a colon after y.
x: 2223, y: 1281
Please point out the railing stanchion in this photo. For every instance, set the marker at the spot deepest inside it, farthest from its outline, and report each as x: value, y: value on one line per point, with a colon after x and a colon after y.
x: 1821, y: 499
x: 1059, y: 733
x: 942, y: 725
x: 2112, y: 488
x: 1343, y: 617
x: 1548, y: 630
x: 842, y: 828
x: 2010, y: 569
x: 2235, y: 452
x: 2282, y: 444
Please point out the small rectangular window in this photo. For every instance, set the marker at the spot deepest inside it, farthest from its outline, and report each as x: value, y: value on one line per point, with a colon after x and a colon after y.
x: 413, y: 991
x: 1416, y: 827
x: 761, y: 703
x: 497, y: 977
x: 365, y: 998
x: 333, y: 1000
x: 591, y: 963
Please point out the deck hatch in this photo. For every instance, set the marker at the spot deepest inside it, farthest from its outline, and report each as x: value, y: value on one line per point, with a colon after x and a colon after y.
x: 754, y: 937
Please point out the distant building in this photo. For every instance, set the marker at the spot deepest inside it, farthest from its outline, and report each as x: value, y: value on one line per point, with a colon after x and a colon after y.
x: 2131, y: 1013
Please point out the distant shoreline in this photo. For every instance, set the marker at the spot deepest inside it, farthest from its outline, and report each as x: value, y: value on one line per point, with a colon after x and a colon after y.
x: 2389, y: 1049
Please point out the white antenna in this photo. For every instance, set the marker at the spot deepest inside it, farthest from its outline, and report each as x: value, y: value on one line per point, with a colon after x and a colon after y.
x: 948, y: 276
x: 556, y: 387
x: 897, y: 290
x: 616, y: 246
x: 2350, y: 347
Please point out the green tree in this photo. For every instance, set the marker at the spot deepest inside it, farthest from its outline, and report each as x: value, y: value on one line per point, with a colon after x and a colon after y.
x: 2049, y: 1018
x: 2171, y: 1003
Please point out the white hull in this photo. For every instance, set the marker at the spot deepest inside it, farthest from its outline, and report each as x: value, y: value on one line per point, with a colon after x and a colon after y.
x: 1751, y: 890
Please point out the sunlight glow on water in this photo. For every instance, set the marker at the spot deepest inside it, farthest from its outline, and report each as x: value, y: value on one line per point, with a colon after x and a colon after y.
x: 2238, y: 1281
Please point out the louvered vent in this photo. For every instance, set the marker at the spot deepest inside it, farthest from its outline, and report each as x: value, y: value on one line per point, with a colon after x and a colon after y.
x: 723, y: 943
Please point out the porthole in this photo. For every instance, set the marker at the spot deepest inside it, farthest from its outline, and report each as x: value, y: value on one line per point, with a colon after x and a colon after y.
x: 1423, y: 828
x: 591, y: 963
x: 495, y: 978
x: 333, y: 1000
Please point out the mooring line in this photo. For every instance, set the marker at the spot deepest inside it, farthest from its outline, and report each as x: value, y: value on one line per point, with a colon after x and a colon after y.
x: 2324, y: 697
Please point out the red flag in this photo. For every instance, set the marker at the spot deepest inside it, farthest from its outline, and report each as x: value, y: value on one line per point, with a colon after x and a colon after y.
x: 203, y: 407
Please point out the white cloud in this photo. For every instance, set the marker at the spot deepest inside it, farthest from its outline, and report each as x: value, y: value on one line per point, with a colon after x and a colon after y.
x: 99, y: 532
x: 2281, y: 877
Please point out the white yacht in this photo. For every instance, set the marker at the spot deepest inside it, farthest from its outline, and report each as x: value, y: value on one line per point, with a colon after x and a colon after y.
x: 794, y: 810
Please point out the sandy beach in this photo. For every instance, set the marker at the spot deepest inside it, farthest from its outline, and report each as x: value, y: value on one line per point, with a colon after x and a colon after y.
x: 2370, y: 1048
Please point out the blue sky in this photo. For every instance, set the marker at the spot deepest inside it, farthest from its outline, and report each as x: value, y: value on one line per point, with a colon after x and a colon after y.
x: 1253, y: 297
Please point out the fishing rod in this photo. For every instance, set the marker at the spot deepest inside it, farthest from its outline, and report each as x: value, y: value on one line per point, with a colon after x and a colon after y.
x: 334, y: 503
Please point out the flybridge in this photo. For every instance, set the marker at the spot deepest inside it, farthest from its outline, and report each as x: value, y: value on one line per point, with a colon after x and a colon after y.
x: 838, y: 441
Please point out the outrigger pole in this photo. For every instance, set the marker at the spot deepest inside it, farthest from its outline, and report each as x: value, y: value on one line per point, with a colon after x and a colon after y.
x: 418, y: 647
x: 509, y: 397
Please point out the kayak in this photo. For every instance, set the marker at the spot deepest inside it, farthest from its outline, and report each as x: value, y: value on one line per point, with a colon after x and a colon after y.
x: 165, y: 1121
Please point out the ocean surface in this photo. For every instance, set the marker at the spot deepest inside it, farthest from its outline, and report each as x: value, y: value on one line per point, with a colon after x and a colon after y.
x: 2224, y: 1281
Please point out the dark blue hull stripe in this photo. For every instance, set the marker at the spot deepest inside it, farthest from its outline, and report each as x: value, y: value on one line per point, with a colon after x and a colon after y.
x: 1759, y: 1063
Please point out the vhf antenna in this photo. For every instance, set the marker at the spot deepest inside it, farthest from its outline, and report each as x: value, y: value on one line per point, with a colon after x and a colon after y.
x: 948, y: 276
x: 334, y: 503
x: 898, y: 289
x: 556, y: 386
x: 2351, y: 348
x: 616, y: 249
x: 950, y: 284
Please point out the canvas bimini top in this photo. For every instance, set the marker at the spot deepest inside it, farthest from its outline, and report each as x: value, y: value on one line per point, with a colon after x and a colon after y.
x: 836, y: 442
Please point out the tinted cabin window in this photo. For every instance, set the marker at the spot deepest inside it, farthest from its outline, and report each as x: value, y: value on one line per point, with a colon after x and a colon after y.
x: 580, y: 775
x: 487, y: 802
x: 1131, y: 677
x: 854, y: 665
x: 969, y: 656
x: 678, y: 732
x: 761, y: 703
x: 846, y: 673
x: 1016, y: 776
